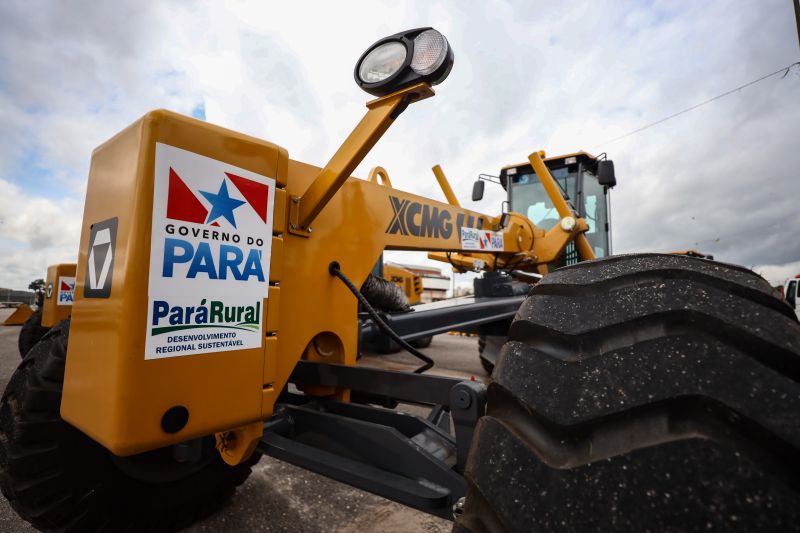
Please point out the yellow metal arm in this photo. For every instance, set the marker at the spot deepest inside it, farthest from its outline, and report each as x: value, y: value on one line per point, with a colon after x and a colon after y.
x: 380, y: 116
x: 445, y: 185
x: 527, y: 248
x: 581, y: 243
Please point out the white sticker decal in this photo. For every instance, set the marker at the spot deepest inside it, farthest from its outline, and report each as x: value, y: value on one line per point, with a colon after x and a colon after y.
x: 66, y: 290
x: 209, y: 255
x: 481, y: 240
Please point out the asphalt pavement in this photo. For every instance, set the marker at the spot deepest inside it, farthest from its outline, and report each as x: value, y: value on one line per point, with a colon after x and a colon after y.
x: 281, y: 497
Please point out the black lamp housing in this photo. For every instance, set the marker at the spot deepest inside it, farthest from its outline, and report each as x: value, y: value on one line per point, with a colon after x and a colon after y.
x: 405, y: 75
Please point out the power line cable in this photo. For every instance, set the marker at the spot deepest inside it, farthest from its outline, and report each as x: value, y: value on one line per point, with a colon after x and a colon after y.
x: 785, y: 71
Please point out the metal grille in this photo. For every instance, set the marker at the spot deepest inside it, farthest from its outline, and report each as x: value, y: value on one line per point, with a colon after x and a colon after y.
x: 571, y: 254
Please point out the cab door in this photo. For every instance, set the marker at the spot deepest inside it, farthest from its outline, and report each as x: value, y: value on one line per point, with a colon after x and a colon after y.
x: 792, y: 296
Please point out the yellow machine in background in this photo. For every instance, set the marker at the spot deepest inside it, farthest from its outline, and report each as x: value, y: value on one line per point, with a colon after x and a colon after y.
x: 574, y: 185
x: 409, y: 282
x: 580, y: 185
x: 56, y: 306
x: 20, y: 315
x: 59, y: 293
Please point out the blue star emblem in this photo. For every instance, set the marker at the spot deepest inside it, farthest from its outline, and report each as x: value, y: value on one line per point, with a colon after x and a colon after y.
x: 222, y: 205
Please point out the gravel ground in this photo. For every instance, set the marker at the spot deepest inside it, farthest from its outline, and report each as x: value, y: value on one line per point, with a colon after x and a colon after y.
x: 282, y: 497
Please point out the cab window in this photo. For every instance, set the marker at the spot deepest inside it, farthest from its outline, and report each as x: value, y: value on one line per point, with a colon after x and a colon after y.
x: 529, y: 197
x: 595, y: 213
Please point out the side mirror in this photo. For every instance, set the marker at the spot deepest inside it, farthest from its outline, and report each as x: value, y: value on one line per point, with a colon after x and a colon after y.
x: 605, y: 173
x: 477, y: 190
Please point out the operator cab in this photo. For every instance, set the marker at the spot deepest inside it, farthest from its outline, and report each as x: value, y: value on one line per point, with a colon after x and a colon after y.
x: 584, y: 181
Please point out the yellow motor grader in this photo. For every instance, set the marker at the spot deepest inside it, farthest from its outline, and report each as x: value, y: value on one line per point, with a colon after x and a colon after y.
x: 215, y: 319
x: 583, y: 180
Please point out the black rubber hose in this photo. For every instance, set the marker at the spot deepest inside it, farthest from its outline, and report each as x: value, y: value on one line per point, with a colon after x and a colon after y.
x: 336, y: 270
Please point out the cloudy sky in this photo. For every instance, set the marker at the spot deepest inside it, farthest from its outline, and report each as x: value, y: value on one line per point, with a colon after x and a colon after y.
x: 528, y: 75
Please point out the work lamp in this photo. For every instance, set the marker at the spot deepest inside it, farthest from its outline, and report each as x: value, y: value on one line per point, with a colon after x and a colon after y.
x: 403, y: 59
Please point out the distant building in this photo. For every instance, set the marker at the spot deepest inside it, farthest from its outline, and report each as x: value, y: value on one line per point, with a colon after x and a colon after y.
x: 434, y: 282
x: 464, y: 290
x: 11, y: 297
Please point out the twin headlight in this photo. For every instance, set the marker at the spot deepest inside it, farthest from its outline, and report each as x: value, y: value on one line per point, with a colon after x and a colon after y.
x: 402, y: 59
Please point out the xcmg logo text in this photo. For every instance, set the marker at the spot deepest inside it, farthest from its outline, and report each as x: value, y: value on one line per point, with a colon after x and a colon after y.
x: 424, y: 220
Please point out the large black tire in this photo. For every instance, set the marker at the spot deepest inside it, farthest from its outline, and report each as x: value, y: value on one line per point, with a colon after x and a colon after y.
x: 646, y: 392
x: 424, y: 342
x: 31, y: 332
x: 489, y: 350
x: 487, y: 365
x: 57, y: 478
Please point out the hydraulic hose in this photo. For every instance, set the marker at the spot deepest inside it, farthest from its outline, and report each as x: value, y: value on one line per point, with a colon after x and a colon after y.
x: 336, y: 270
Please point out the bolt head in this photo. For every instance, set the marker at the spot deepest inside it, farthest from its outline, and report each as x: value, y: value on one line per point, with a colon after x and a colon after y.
x: 458, y: 507
x: 462, y: 399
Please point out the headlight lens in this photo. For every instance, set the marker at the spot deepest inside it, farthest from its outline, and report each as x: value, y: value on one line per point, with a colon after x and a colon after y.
x: 430, y: 50
x: 421, y: 55
x: 382, y: 62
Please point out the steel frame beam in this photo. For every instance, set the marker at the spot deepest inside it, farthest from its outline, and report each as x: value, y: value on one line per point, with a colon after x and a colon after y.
x: 404, y: 458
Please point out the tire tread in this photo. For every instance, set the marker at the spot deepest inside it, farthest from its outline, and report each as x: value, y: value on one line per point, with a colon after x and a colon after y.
x: 617, y: 371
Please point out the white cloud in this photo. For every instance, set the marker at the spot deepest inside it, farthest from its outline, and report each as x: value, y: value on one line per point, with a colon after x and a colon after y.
x: 34, y: 233
x: 528, y: 76
x: 778, y: 274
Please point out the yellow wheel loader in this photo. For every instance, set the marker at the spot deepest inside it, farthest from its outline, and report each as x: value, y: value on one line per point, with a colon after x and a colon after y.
x: 634, y: 392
